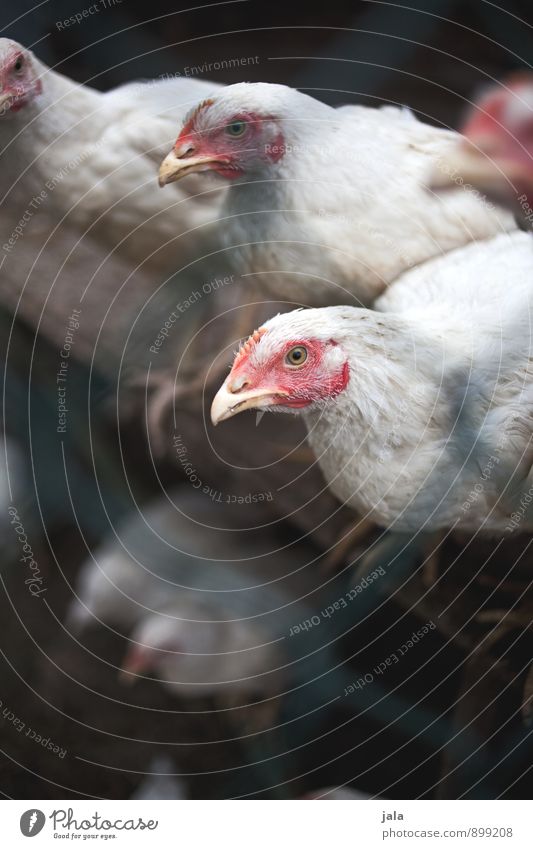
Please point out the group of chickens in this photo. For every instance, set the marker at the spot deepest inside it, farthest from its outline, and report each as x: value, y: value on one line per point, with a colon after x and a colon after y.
x: 404, y: 254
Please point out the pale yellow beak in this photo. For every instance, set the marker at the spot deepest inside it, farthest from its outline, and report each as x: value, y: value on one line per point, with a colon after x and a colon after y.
x: 127, y: 677
x: 134, y: 665
x: 467, y: 166
x: 227, y: 404
x: 175, y: 167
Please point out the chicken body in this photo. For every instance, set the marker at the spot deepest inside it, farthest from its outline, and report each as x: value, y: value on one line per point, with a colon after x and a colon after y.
x: 77, y: 157
x: 83, y: 225
x: 420, y: 413
x: 207, y: 606
x: 326, y: 205
x: 194, y: 655
x: 495, y: 154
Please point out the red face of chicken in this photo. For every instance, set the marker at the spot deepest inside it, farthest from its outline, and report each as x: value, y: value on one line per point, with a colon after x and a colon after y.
x: 231, y: 144
x: 274, y: 373
x: 498, y: 156
x: 502, y: 125
x: 141, y: 659
x: 19, y: 83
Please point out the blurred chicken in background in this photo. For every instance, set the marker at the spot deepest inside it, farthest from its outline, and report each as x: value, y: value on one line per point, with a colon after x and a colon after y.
x: 74, y: 155
x: 87, y: 253
x: 496, y: 156
x: 83, y: 226
x: 207, y: 605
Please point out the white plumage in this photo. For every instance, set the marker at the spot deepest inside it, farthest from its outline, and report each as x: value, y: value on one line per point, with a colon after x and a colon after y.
x: 495, y: 153
x: 432, y: 427
x: 207, y: 607
x: 327, y: 205
x: 90, y: 159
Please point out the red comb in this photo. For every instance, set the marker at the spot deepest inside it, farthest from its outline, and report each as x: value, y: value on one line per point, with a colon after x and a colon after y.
x: 248, y: 346
x: 191, y: 117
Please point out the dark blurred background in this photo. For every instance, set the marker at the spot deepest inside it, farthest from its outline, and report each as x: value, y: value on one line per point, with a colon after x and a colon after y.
x: 428, y: 54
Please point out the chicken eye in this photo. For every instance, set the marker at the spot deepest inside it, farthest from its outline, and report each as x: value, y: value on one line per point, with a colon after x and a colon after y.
x: 296, y: 356
x: 236, y: 129
x: 19, y: 64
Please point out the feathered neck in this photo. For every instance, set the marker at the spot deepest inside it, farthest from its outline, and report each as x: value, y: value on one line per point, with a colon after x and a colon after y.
x: 395, y: 370
x: 310, y: 139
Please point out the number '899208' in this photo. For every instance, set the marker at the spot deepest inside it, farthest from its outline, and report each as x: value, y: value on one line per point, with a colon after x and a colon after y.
x: 491, y: 832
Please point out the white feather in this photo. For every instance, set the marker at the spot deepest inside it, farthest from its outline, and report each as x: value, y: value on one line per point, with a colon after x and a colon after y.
x: 346, y: 209
x: 95, y: 157
x: 434, y: 427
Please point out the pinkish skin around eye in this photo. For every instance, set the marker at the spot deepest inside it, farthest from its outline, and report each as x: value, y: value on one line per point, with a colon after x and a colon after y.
x: 217, y: 142
x: 301, y: 384
x: 19, y: 82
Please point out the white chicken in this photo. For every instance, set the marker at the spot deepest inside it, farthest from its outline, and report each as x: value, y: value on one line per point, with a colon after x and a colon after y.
x: 420, y: 413
x: 207, y: 606
x: 87, y: 159
x: 496, y: 155
x: 81, y: 217
x: 326, y: 205
x: 82, y: 222
x: 195, y: 654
